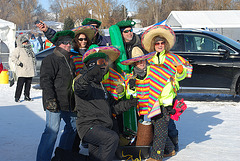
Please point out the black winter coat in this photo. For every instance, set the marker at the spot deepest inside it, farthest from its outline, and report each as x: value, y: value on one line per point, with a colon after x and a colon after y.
x: 56, y: 76
x: 92, y: 106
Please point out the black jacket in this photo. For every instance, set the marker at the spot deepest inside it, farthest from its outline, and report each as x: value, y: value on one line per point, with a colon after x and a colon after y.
x: 56, y: 76
x: 92, y: 106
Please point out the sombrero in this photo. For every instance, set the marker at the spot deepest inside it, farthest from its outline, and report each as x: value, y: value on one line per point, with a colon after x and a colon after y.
x: 158, y: 30
x: 112, y: 52
x: 137, y: 55
x: 88, y: 30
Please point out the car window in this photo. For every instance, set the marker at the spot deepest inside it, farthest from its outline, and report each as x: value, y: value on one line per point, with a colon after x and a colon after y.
x: 196, y: 43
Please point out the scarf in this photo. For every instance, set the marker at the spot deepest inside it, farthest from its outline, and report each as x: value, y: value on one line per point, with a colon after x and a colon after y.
x: 141, y: 73
x: 28, y: 49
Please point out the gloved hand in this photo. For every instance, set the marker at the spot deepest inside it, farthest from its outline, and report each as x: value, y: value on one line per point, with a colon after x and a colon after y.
x: 132, y: 84
x: 20, y: 64
x: 170, y: 110
x: 52, y: 105
x: 133, y: 101
x: 179, y: 69
x: 119, y: 89
x: 94, y: 73
x: 180, y: 107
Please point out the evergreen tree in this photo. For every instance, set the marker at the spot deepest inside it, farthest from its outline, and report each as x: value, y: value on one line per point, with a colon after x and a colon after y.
x: 68, y: 23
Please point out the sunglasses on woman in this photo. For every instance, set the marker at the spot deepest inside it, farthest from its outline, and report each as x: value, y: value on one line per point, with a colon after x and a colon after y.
x: 81, y: 39
x: 127, y: 31
x: 160, y: 43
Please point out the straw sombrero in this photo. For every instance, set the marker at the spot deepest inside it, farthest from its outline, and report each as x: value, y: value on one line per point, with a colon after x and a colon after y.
x: 158, y: 30
x: 112, y: 52
x: 88, y: 30
x: 137, y: 55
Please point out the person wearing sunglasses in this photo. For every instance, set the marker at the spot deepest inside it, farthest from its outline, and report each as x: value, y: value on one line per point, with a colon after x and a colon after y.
x: 81, y: 42
x: 99, y: 40
x: 147, y: 82
x: 56, y: 76
x: 130, y: 39
x: 159, y: 39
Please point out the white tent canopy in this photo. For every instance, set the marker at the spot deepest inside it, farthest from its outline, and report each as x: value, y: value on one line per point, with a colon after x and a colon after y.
x: 7, y: 34
x: 204, y: 19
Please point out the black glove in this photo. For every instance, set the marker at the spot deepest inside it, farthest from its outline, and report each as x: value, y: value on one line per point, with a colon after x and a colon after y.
x: 133, y: 101
x: 94, y: 73
x: 20, y: 64
x: 52, y: 105
x: 171, y: 110
x: 132, y: 84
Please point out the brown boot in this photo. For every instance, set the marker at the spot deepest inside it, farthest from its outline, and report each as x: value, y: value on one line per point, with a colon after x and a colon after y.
x: 170, y: 154
x: 151, y: 159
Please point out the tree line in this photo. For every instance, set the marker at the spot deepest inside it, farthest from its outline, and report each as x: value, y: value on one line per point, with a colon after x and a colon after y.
x: 25, y: 12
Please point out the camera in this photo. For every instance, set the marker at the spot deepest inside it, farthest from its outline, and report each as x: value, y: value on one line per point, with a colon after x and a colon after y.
x: 37, y: 22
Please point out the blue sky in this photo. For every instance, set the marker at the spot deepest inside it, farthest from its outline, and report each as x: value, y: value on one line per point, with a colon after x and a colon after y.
x: 46, y: 4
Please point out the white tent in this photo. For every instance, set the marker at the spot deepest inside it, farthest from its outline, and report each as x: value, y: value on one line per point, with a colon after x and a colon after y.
x: 225, y: 22
x: 7, y: 41
x: 7, y: 34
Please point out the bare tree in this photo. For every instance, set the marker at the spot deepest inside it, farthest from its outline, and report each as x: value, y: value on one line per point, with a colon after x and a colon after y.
x: 55, y: 8
x: 40, y: 13
x: 6, y: 9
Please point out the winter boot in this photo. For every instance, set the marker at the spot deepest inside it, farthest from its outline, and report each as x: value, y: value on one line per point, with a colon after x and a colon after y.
x: 169, y: 154
x: 17, y: 100
x: 27, y: 98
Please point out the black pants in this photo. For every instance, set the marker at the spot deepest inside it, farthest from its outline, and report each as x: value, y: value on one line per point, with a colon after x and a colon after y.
x: 102, y: 143
x: 26, y: 81
x: 160, y: 138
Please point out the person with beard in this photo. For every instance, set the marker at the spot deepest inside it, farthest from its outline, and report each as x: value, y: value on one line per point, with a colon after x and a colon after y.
x: 56, y: 76
x: 98, y: 39
x: 96, y: 106
x: 24, y: 59
x: 130, y: 39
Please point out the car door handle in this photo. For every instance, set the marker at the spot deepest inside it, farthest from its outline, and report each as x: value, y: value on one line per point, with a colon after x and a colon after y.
x: 190, y: 60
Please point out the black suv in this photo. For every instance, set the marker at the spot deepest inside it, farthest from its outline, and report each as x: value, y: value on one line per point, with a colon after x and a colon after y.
x: 215, y: 59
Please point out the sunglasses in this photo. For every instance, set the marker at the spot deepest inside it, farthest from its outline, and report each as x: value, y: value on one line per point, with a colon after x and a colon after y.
x: 127, y: 31
x: 81, y: 39
x: 66, y: 42
x: 159, y: 43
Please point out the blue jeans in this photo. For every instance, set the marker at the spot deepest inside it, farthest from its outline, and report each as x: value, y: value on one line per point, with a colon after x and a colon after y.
x: 49, y: 136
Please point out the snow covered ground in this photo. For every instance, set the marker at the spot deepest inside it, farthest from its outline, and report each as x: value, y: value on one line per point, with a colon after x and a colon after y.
x: 208, y: 130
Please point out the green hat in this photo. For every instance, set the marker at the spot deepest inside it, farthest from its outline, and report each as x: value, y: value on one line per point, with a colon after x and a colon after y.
x: 62, y: 34
x: 126, y: 23
x: 89, y: 21
x: 94, y: 51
